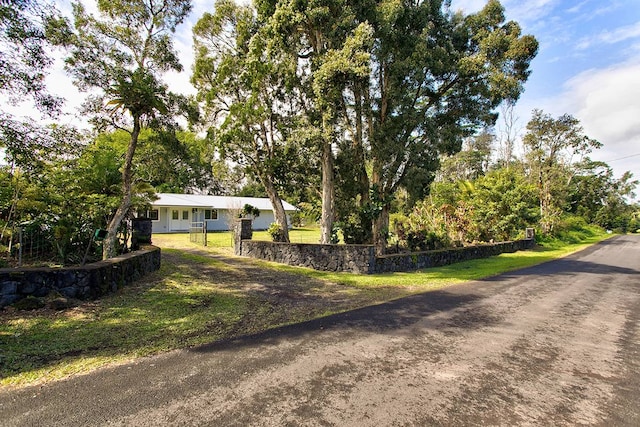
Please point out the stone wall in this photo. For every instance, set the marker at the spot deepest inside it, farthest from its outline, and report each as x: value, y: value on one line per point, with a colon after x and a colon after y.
x: 352, y: 258
x: 420, y: 260
x: 86, y: 282
x: 362, y: 258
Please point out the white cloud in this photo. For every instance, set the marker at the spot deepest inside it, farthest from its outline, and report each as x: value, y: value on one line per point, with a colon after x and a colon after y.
x: 467, y: 6
x: 515, y: 9
x: 611, y: 37
x: 606, y: 103
x: 606, y: 100
x: 529, y: 11
x: 577, y: 8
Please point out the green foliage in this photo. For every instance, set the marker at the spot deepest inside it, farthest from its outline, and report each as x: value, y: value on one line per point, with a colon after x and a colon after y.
x: 170, y: 162
x: 497, y: 206
x: 571, y: 230
x: 382, y: 91
x: 552, y: 148
x: 442, y: 87
x: 23, y: 51
x: 425, y: 228
x: 24, y: 63
x: 275, y: 231
x: 120, y: 56
x: 249, y: 102
x: 61, y: 203
x: 471, y: 162
x: 505, y: 203
x: 248, y: 210
x: 307, y: 214
x: 634, y: 223
x: 356, y: 228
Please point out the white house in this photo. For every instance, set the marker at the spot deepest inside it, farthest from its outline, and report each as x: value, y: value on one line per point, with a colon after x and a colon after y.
x: 173, y: 213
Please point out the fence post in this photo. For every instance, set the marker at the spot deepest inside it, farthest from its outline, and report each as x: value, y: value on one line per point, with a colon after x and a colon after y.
x: 243, y: 231
x: 19, y: 246
x: 204, y: 231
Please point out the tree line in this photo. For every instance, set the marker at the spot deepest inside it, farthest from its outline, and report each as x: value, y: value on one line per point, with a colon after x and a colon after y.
x: 552, y: 185
x: 355, y: 111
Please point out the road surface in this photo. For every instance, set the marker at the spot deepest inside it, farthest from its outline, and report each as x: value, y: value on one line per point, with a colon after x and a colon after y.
x: 556, y: 344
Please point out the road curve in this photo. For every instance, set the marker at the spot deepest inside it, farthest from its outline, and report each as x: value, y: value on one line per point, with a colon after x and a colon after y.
x: 555, y: 344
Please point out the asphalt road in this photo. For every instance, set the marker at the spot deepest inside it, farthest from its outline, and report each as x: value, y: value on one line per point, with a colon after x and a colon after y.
x: 556, y: 344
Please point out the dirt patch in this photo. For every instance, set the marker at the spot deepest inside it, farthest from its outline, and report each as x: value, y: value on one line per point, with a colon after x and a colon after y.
x: 274, y: 297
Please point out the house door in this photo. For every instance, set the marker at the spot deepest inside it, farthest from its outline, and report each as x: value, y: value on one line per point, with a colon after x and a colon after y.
x: 198, y: 215
x: 180, y: 220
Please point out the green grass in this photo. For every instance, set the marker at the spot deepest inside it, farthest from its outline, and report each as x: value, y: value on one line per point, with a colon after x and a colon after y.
x: 224, y: 239
x: 174, y: 310
x: 220, y: 239
x: 296, y: 235
x: 188, y: 303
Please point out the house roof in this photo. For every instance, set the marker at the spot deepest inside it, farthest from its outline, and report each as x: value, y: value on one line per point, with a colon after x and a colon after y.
x: 216, y: 202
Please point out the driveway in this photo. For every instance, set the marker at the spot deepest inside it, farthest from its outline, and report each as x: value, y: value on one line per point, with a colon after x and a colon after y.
x: 556, y: 344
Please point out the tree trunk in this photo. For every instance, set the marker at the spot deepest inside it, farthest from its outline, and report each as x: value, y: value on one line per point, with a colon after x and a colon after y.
x: 109, y: 246
x: 358, y: 149
x: 278, y: 208
x: 381, y: 230
x: 328, y: 191
x: 381, y: 222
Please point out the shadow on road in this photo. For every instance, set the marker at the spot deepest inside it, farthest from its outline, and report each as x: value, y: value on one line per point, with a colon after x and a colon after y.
x: 382, y: 318
x: 409, y: 310
x: 565, y: 266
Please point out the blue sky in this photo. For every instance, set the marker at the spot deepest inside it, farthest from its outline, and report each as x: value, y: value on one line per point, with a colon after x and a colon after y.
x: 588, y: 66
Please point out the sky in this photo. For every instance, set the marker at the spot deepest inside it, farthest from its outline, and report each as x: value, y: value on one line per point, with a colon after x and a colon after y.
x: 588, y: 66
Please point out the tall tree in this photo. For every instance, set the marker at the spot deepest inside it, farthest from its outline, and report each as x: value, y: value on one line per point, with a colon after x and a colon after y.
x: 329, y: 43
x: 553, y: 146
x: 508, y: 131
x: 121, y: 56
x: 391, y: 85
x: 249, y: 97
x: 438, y: 78
x: 597, y: 196
x: 469, y: 163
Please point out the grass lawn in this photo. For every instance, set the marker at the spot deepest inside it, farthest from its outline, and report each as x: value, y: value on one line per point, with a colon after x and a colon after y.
x: 197, y: 298
x: 224, y: 239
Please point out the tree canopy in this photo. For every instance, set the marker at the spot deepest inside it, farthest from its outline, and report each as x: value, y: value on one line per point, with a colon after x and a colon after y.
x: 389, y: 86
x: 122, y: 54
x: 24, y: 64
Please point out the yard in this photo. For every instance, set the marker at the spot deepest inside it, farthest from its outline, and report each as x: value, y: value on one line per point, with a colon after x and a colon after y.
x: 224, y: 239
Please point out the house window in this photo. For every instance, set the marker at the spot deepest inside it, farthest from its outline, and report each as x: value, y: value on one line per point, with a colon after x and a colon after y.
x: 152, y: 214
x: 210, y: 214
x: 185, y: 215
x: 174, y: 214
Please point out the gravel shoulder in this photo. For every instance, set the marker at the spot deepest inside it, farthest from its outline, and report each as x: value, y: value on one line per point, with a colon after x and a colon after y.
x: 555, y: 344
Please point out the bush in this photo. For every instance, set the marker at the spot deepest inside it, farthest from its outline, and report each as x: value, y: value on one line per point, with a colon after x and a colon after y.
x: 249, y: 211
x: 426, y: 241
x: 355, y: 229
x: 276, y: 232
x: 421, y: 230
x: 572, y: 229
